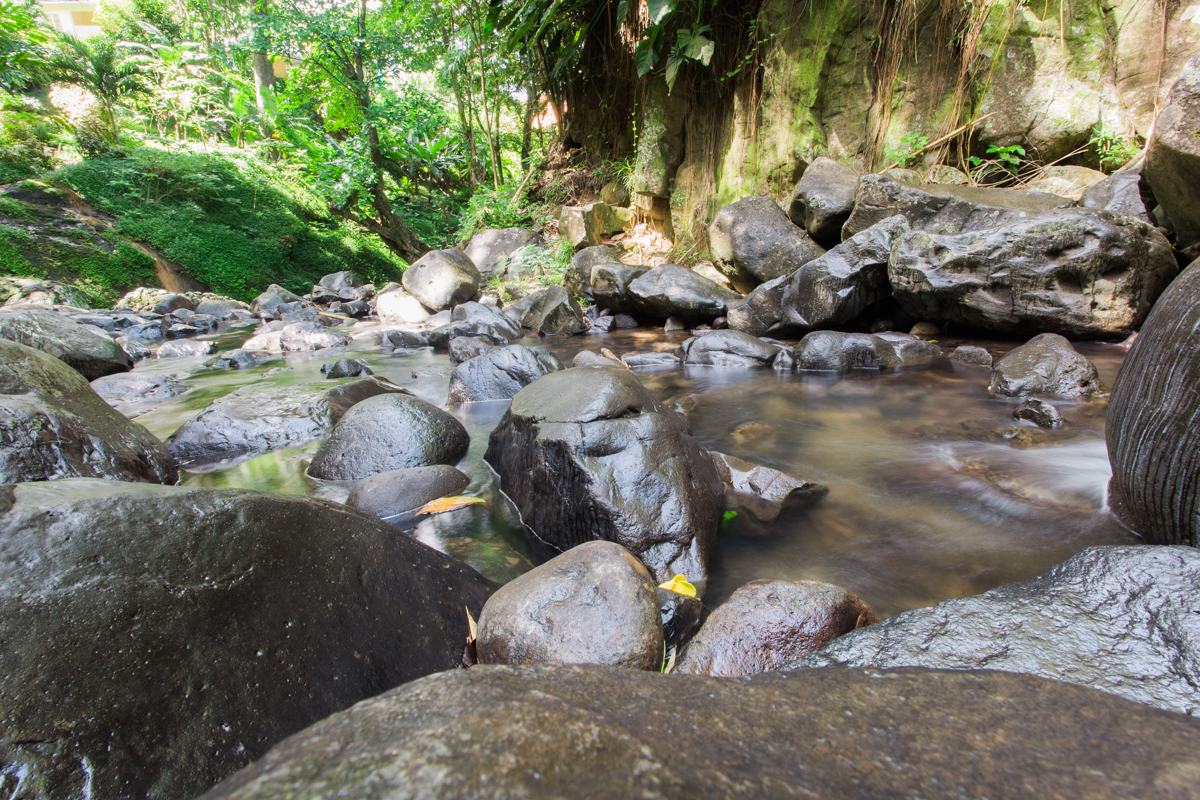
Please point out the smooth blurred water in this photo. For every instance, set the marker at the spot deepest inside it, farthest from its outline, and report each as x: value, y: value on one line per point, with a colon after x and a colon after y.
x: 926, y: 501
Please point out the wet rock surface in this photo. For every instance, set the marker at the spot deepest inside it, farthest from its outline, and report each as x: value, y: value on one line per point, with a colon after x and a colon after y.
x: 386, y: 432
x: 129, y: 391
x: 387, y: 494
x: 85, y: 348
x: 441, y: 279
x: 181, y: 348
x: 835, y: 351
x: 670, y: 290
x: 345, y: 368
x: 841, y: 730
x: 1118, y: 619
x: 1040, y: 413
x: 274, y: 302
x: 53, y: 425
x: 464, y: 348
x: 1080, y: 273
x: 753, y: 241
x: 301, y: 336
x: 159, y: 638
x: 766, y: 624
x: 823, y: 200
x: 499, y: 374
x: 1153, y: 443
x: 594, y: 604
x: 551, y: 311
x: 262, y: 417
x: 762, y: 492
x: 587, y: 453
x: 1046, y: 364
x: 728, y: 349
x: 610, y: 284
x: 1120, y: 193
x: 970, y: 354
x: 238, y: 359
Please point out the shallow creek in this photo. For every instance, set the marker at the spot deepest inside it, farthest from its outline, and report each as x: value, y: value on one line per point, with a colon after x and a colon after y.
x: 926, y: 501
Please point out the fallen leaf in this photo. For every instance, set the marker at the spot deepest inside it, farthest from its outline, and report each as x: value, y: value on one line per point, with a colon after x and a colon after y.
x: 680, y: 585
x: 448, y: 504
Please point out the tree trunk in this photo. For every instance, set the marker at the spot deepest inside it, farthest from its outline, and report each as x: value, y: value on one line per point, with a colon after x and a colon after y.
x: 260, y: 62
x: 531, y: 105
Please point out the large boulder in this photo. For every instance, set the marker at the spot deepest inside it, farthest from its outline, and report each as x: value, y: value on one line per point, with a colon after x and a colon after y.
x: 823, y: 200
x: 588, y: 453
x: 1172, y: 165
x: 670, y: 290
x: 499, y: 374
x: 766, y: 623
x: 464, y: 348
x: 158, y: 638
x: 1046, y: 364
x: 1080, y: 273
x: 583, y: 226
x: 54, y: 425
x: 386, y: 432
x: 503, y: 326
x: 834, y: 351
x: 302, y: 336
x: 339, y: 281
x: 186, y: 349
x: 610, y: 285
x: 274, y: 302
x: 442, y: 279
x: 86, y: 348
x: 578, y: 275
x: 552, y: 311
x: 1118, y: 619
x: 728, y: 349
x: 594, y: 604
x: 827, y: 292
x: 489, y: 246
x: 398, y: 307
x: 263, y: 417
x: 943, y: 209
x: 388, y: 494
x: 550, y: 731
x: 1120, y: 193
x: 753, y: 241
x: 1153, y: 438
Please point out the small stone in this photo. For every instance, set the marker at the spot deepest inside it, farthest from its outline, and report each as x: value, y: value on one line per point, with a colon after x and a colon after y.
x: 345, y: 368
x: 925, y: 329
x: 1040, y: 413
x: 970, y: 354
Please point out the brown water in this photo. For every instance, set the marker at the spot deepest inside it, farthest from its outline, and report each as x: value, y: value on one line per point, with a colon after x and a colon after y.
x: 926, y: 500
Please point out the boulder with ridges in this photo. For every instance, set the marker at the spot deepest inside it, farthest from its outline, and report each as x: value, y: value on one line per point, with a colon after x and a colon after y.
x: 752, y: 241
x: 158, y: 638
x: 442, y: 279
x: 594, y: 604
x: 588, y: 453
x: 1120, y: 193
x: 762, y: 492
x: 86, y: 348
x: 54, y: 425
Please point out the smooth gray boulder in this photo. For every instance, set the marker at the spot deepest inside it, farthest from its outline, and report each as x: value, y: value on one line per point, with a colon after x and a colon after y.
x: 768, y: 623
x: 594, y: 604
x: 1172, y: 164
x: 172, y: 302
x: 578, y: 275
x: 386, y: 432
x: 263, y: 417
x: 499, y: 374
x: 1153, y: 438
x: 388, y: 494
x: 823, y: 200
x: 588, y: 453
x: 1077, y: 272
x: 274, y: 302
x: 464, y: 348
x: 86, y: 348
x: 339, y: 281
x: 557, y: 730
x: 487, y: 247
x: 1117, y: 619
x: 670, y: 290
x: 158, y: 638
x: 186, y: 349
x: 728, y: 349
x: 398, y: 307
x: 834, y: 351
x: 753, y: 241
x: 827, y: 292
x: 401, y: 340
x: 610, y: 285
x: 441, y: 279
x: 1046, y: 364
x: 944, y: 209
x: 128, y: 392
x: 488, y: 315
x: 302, y: 336
x: 56, y: 426
x: 552, y: 311
x: 237, y: 359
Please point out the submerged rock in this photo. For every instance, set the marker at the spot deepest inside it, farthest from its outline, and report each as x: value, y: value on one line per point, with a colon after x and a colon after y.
x: 1153, y: 438
x: 766, y: 624
x: 1040, y: 413
x: 387, y: 494
x: 86, y: 348
x: 1118, y: 619
x: 728, y: 349
x: 442, y: 279
x: 387, y: 432
x: 186, y: 349
x: 594, y: 604
x: 762, y: 492
x: 53, y: 425
x: 839, y: 352
x: 137, y: 389
x: 158, y: 638
x: 588, y: 453
x: 753, y: 241
x: 263, y: 417
x: 238, y: 359
x: 1078, y: 272
x: 499, y: 374
x: 823, y: 200
x: 551, y: 731
x: 1046, y: 364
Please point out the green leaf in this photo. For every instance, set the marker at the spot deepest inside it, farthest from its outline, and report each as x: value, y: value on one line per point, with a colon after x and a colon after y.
x: 659, y: 9
x: 646, y: 55
x: 622, y: 10
x: 699, y: 48
x: 674, y: 61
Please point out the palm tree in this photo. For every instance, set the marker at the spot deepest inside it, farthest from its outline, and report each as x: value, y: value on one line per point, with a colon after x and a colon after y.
x: 103, y: 71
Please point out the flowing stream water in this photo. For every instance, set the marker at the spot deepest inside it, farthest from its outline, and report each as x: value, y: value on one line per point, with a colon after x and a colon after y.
x: 926, y: 501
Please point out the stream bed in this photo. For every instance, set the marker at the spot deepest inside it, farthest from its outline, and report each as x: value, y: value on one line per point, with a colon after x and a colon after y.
x: 927, y: 501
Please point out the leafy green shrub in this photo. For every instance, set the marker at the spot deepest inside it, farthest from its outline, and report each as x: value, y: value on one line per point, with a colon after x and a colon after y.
x: 1113, y: 149
x: 908, y: 153
x: 491, y: 208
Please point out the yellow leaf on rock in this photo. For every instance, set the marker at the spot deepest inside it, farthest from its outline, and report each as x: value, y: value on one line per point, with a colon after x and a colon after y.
x: 448, y: 504
x: 680, y: 585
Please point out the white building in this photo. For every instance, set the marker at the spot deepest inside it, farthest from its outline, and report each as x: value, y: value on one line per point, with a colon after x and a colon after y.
x: 72, y: 18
